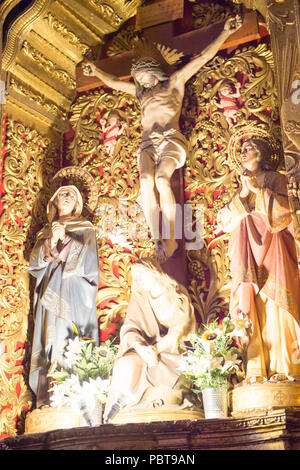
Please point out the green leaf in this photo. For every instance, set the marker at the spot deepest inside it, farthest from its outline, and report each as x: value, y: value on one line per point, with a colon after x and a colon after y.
x: 89, y: 351
x: 75, y: 329
x: 60, y: 376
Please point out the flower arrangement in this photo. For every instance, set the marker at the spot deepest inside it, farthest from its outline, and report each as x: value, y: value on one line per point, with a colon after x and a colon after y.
x: 83, y: 380
x: 213, y: 355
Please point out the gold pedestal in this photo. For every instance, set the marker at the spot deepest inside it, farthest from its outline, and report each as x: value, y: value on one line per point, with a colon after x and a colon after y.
x: 155, y: 415
x: 258, y: 398
x: 48, y: 419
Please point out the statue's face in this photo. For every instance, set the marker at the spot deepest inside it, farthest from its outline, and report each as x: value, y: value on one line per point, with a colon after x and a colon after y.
x: 65, y: 201
x: 146, y: 79
x: 226, y: 90
x: 113, y: 120
x: 250, y: 156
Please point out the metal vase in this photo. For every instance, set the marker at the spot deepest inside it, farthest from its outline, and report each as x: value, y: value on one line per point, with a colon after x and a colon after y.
x: 92, y: 417
x: 215, y: 402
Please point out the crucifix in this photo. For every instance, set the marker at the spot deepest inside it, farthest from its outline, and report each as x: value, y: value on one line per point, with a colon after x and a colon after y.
x: 163, y: 148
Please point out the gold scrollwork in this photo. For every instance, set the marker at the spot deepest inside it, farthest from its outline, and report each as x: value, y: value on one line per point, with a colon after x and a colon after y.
x: 26, y: 91
x: 212, y: 171
x: 115, y: 13
x: 27, y: 172
x: 87, y: 150
x: 107, y: 12
x: 71, y: 37
x: 48, y: 66
x: 206, y: 14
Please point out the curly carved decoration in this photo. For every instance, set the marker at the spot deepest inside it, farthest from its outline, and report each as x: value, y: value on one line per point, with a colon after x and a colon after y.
x: 120, y: 175
x: 29, y: 164
x: 107, y: 12
x: 212, y: 171
x: 48, y: 66
x: 206, y: 14
x: 71, y: 37
x: 115, y: 13
x: 37, y: 98
x: 124, y: 40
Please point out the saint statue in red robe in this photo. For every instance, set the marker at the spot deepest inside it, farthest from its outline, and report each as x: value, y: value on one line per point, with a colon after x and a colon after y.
x: 265, y: 277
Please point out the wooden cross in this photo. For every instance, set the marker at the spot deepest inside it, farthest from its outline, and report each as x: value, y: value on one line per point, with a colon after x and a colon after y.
x: 190, y: 43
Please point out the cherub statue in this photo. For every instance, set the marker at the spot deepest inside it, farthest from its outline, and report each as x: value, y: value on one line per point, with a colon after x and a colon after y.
x: 228, y: 101
x: 163, y: 148
x: 159, y: 318
x: 64, y: 262
x: 112, y: 129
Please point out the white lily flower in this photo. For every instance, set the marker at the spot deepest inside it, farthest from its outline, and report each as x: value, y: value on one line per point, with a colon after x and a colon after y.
x: 241, y: 324
x: 73, y: 352
x: 231, y: 362
x: 215, y: 363
x: 58, y: 398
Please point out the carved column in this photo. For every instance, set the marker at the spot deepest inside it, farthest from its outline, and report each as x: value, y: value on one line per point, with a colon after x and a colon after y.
x: 284, y: 25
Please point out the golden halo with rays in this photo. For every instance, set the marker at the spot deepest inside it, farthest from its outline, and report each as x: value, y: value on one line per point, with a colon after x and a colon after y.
x: 248, y: 131
x: 83, y: 180
x: 165, y: 56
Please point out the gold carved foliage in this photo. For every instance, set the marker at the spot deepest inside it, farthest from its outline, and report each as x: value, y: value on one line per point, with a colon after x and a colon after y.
x: 117, y: 176
x: 120, y: 225
x: 37, y: 98
x: 209, y: 171
x: 212, y: 167
x: 107, y: 12
x: 68, y: 35
x: 210, y: 279
x: 48, y: 65
x: 208, y: 13
x: 28, y: 165
x: 115, y: 12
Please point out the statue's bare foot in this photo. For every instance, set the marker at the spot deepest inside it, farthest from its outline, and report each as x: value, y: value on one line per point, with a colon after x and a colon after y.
x: 165, y: 249
x: 43, y: 407
x: 281, y: 378
x: 254, y: 379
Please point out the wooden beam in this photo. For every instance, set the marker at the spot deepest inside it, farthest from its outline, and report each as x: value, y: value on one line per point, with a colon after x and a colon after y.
x: 191, y: 44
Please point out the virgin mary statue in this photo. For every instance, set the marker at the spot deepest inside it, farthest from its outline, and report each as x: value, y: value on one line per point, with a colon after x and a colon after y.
x: 64, y: 262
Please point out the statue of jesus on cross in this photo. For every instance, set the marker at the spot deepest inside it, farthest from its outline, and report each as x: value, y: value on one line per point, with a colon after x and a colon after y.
x: 163, y: 148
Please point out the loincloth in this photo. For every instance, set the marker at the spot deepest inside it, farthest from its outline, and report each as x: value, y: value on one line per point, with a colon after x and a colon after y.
x: 170, y: 143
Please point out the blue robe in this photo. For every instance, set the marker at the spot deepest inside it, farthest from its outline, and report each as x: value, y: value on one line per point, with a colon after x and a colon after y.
x: 65, y: 292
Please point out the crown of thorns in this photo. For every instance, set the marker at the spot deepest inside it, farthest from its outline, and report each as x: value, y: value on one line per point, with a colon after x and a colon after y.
x: 145, y: 64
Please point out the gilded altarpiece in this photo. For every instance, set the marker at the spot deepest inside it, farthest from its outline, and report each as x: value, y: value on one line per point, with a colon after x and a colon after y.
x: 210, y: 178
